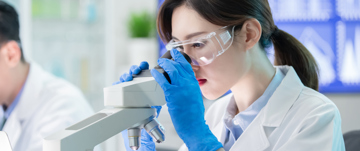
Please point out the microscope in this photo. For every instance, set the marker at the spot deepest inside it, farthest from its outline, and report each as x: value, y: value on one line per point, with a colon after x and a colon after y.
x: 128, y: 107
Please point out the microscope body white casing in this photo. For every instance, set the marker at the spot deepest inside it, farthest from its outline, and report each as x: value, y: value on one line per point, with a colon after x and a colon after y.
x: 128, y: 105
x: 141, y: 92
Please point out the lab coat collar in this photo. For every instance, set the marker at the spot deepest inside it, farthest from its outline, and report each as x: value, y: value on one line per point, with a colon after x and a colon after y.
x: 32, y: 89
x: 13, y: 128
x: 280, y: 103
x: 219, y: 130
x: 254, y: 138
x: 27, y: 104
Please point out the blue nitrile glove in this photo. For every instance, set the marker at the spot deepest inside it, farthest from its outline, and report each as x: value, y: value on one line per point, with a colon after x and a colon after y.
x: 147, y: 143
x: 185, y: 103
x: 134, y: 69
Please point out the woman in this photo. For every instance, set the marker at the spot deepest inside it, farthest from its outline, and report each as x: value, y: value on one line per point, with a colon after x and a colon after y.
x: 270, y: 108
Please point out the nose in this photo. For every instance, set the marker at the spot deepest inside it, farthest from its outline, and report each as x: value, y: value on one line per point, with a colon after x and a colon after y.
x: 195, y: 68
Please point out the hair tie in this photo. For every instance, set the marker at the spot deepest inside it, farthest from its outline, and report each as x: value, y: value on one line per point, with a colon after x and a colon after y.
x: 275, y: 31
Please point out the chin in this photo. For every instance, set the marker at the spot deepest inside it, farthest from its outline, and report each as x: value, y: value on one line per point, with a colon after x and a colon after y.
x: 211, y: 95
x: 213, y: 91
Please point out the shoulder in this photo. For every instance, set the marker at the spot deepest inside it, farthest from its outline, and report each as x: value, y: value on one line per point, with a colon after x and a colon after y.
x: 311, y: 117
x: 216, y: 111
x: 301, y: 100
x: 312, y: 107
x: 56, y: 95
x: 54, y: 88
x: 59, y: 86
x: 50, y: 103
x: 312, y: 99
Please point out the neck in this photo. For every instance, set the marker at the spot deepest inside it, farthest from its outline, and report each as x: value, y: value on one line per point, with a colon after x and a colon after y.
x: 254, y: 83
x: 20, y: 74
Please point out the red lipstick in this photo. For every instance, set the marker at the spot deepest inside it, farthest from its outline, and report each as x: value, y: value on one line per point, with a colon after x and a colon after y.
x: 201, y: 81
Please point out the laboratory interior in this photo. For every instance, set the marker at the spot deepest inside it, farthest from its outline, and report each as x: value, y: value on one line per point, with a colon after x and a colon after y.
x: 91, y: 43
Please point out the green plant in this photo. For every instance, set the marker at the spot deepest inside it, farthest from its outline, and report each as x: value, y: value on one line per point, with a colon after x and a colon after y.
x: 141, y: 25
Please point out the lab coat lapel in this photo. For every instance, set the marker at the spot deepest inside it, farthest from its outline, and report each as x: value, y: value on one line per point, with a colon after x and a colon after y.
x: 30, y: 100
x: 219, y: 132
x: 283, y: 98
x: 255, y: 137
x: 27, y: 104
x: 13, y: 128
x: 219, y: 129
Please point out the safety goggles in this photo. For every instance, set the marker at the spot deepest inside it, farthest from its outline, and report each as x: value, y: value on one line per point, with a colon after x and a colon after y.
x: 203, y: 49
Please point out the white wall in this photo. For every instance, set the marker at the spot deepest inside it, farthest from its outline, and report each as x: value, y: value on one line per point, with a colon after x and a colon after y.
x: 349, y: 106
x: 122, y: 11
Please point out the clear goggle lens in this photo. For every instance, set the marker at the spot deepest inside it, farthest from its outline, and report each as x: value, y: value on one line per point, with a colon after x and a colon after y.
x: 204, y: 50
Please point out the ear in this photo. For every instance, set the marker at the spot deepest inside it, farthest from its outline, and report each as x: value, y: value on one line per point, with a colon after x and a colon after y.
x: 11, y: 53
x: 251, y: 30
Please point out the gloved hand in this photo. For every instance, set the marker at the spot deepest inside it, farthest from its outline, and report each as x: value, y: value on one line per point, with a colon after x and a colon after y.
x: 147, y: 143
x: 185, y: 103
x: 134, y: 69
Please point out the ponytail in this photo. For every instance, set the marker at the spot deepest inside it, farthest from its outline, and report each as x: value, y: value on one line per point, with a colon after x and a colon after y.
x: 289, y: 51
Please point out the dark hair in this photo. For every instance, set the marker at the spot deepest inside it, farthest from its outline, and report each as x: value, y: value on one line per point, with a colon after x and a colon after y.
x: 288, y: 50
x: 9, y: 25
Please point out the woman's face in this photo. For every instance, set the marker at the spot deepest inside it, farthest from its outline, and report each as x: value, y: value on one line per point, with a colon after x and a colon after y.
x: 226, y: 70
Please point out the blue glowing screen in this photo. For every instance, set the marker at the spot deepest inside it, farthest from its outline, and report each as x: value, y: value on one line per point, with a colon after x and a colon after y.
x: 330, y: 29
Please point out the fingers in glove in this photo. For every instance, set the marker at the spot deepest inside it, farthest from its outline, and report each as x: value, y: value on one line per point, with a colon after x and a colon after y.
x: 134, y: 69
x: 147, y: 143
x: 126, y: 77
x: 144, y: 65
x: 178, y: 57
x: 160, y: 79
x: 182, y: 72
x: 117, y: 82
x: 170, y: 69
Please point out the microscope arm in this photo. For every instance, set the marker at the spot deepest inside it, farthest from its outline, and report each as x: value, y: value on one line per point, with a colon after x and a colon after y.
x: 85, y: 135
x: 129, y: 107
x: 130, y: 102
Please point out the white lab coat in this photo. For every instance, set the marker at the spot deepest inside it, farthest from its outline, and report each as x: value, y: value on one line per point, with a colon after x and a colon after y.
x: 296, y: 118
x: 47, y: 104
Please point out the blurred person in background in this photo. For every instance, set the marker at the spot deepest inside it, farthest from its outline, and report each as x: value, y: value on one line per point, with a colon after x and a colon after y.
x: 34, y: 103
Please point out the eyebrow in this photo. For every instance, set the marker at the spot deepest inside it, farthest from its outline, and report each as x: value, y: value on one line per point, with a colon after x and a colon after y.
x: 190, y: 35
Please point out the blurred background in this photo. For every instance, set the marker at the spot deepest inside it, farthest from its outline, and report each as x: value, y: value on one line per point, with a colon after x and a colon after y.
x: 92, y: 42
